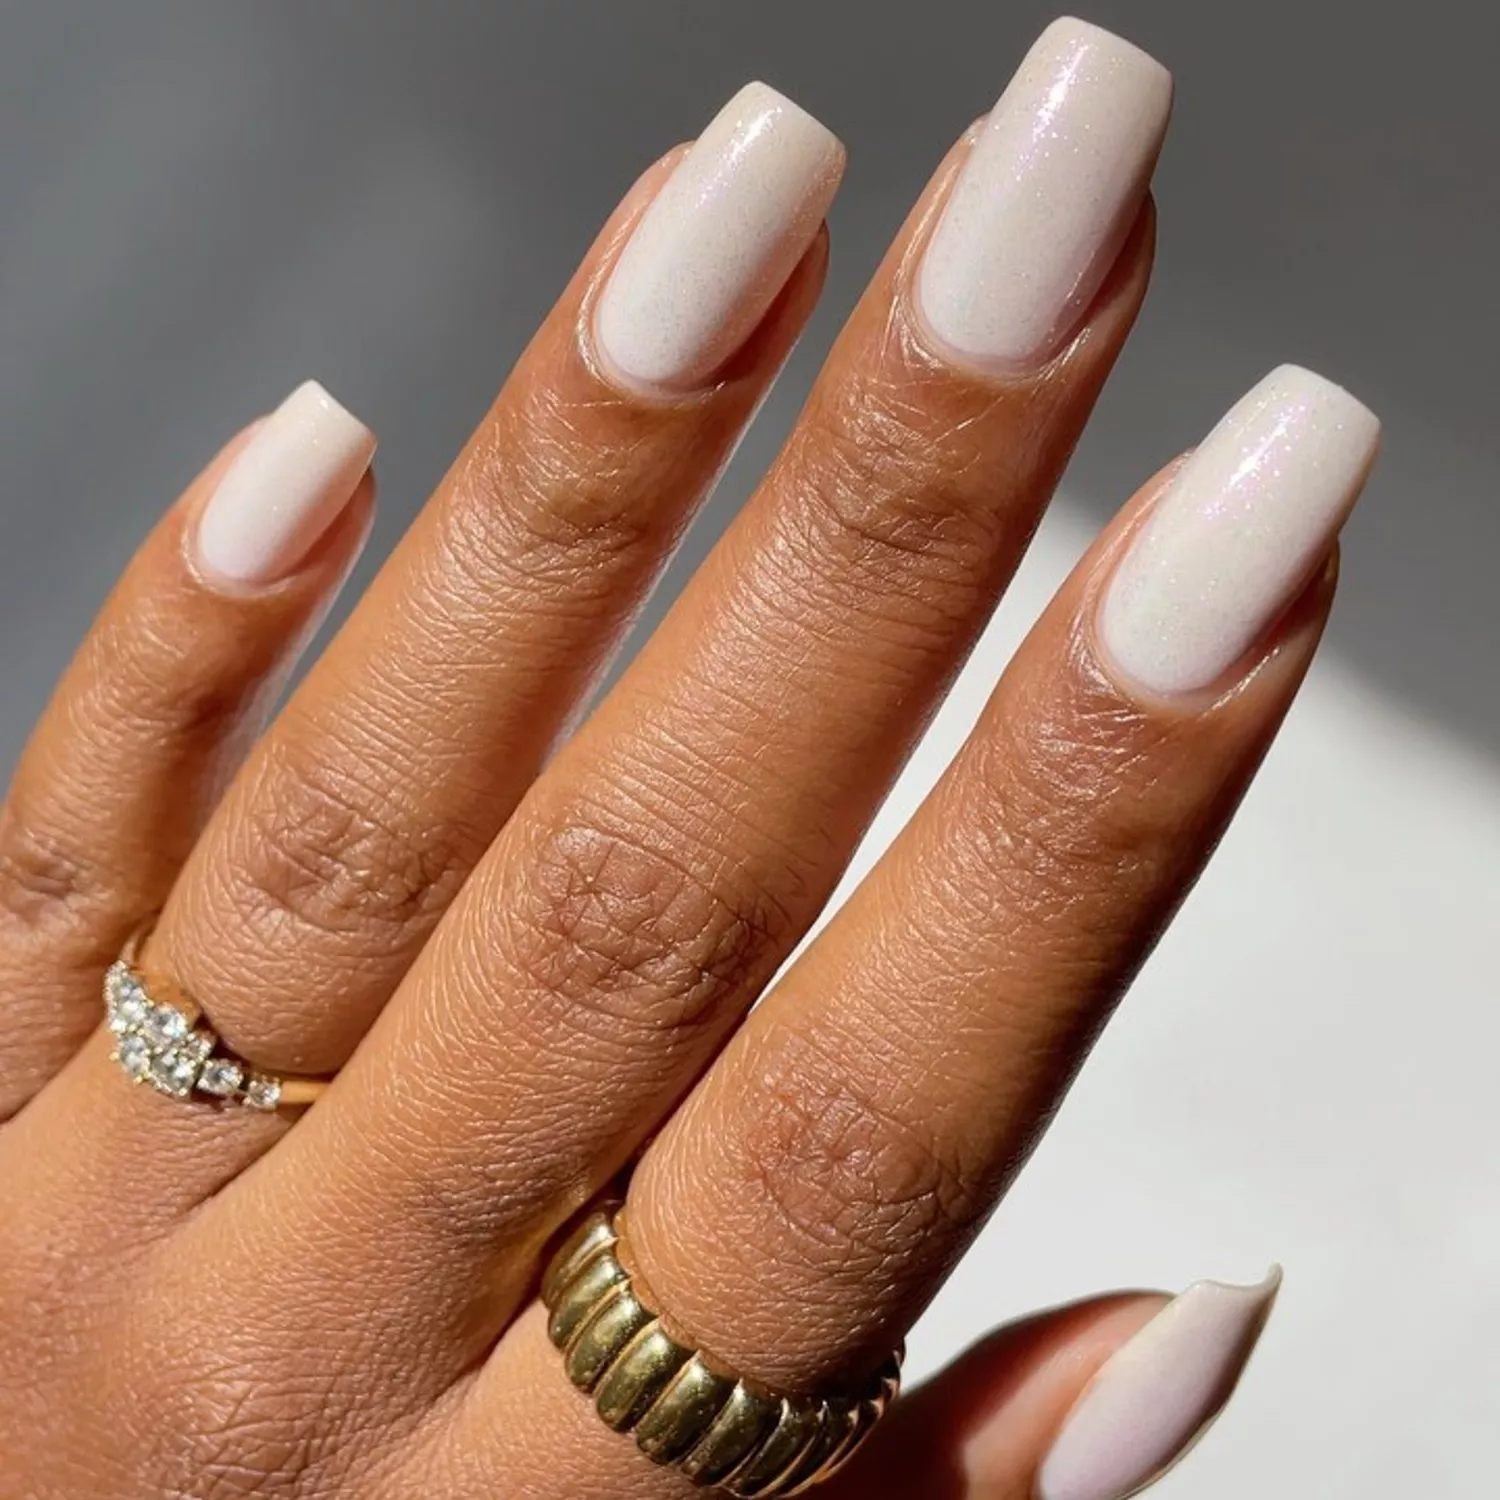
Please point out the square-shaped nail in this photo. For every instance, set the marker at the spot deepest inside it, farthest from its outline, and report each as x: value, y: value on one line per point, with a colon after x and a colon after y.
x: 1239, y: 530
x: 718, y: 243
x: 285, y: 488
x: 1046, y: 199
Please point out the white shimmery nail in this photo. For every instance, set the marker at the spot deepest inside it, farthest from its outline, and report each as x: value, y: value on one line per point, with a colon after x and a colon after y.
x: 284, y: 490
x: 719, y: 242
x: 1046, y: 198
x: 1242, y: 527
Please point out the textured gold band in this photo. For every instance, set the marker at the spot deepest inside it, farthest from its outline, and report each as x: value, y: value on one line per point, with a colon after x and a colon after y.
x: 161, y: 1040
x: 717, y: 1428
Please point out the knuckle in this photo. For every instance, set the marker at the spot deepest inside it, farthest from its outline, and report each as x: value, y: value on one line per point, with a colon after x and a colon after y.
x: 222, y: 1433
x: 887, y: 484
x: 323, y: 853
x: 1064, y: 827
x: 621, y: 937
x: 195, y: 1410
x: 170, y: 685
x: 853, y: 1180
x: 46, y: 882
x: 565, y: 503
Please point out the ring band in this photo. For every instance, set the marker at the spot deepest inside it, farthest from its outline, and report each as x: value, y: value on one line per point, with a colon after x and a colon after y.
x: 684, y: 1410
x: 161, y: 1039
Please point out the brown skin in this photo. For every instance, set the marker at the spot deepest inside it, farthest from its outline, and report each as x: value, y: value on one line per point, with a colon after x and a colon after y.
x: 344, y: 1308
x: 125, y: 766
x: 355, y: 823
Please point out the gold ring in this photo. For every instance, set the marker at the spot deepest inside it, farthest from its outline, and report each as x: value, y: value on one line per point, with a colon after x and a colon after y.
x: 161, y: 1039
x: 684, y: 1410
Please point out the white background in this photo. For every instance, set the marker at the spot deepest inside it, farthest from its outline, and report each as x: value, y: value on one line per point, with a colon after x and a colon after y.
x: 1304, y: 1073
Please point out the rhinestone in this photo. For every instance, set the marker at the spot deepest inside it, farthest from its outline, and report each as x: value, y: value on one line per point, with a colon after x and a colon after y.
x: 196, y: 1045
x: 221, y: 1077
x: 126, y: 1000
x: 134, y: 1056
x: 262, y: 1092
x: 128, y: 1012
x: 173, y: 1072
x: 164, y: 1026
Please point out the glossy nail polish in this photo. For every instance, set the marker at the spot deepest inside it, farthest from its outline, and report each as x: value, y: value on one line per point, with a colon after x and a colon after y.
x: 285, y: 488
x: 718, y: 243
x: 1238, y: 533
x: 1045, y: 200
x: 1157, y: 1394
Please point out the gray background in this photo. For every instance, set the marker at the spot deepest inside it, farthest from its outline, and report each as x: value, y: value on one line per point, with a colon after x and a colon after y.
x: 204, y: 203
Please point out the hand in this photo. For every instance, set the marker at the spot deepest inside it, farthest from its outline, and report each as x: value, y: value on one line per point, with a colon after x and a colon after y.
x: 531, y: 973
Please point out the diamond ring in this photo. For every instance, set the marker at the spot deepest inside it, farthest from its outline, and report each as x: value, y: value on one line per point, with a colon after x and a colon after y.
x: 164, y: 1042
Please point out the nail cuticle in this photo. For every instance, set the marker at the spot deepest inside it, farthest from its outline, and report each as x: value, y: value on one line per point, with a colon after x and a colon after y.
x: 1240, y: 677
x: 591, y: 353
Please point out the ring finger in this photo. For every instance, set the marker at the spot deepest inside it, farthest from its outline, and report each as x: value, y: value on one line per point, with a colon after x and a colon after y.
x: 365, y: 807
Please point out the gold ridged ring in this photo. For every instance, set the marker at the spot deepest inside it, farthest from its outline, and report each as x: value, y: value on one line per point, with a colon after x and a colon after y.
x: 685, y: 1410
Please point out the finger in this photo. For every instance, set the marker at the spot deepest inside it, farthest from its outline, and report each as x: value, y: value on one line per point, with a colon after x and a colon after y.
x: 980, y: 1429
x: 359, y: 813
x: 154, y: 710
x: 1092, y: 1401
x: 800, y: 1210
x: 407, y: 747
x: 670, y: 857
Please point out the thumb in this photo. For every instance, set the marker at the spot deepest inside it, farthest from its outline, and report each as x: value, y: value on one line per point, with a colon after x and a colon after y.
x: 1093, y: 1401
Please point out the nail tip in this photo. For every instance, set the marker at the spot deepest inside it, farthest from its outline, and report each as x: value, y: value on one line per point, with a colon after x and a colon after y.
x: 1269, y: 1283
x: 759, y: 97
x: 1255, y: 1299
x: 330, y: 410
x: 1313, y: 385
x: 1070, y: 29
x: 311, y: 389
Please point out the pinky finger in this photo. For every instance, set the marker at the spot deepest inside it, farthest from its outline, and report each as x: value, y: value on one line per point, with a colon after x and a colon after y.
x: 155, y: 709
x: 1092, y: 1401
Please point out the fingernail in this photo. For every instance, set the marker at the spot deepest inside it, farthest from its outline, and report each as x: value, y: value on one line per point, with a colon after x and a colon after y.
x: 1152, y: 1400
x: 1240, y: 530
x: 1046, y: 198
x: 284, y: 490
x: 718, y: 242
